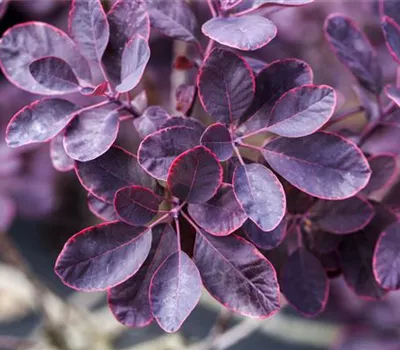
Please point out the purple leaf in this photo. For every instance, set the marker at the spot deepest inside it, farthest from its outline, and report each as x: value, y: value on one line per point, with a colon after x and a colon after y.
x: 129, y: 301
x: 25, y: 43
x: 252, y: 5
x: 221, y: 215
x: 89, y: 28
x: 175, y: 291
x: 386, y: 260
x: 323, y: 165
x: 265, y: 240
x: 390, y: 8
x: 229, y: 4
x: 39, y: 122
x: 158, y: 150
x: 385, y: 138
x: 195, y: 175
x: 115, y: 169
x: 54, y: 74
x: 103, y: 210
x: 305, y: 283
x: 354, y: 50
x: 255, y: 64
x: 136, y: 205
x: 393, y: 92
x: 185, y: 121
x: 126, y: 18
x: 92, y: 133
x: 271, y: 83
x: 59, y: 158
x: 177, y: 21
x: 384, y: 172
x: 98, y: 90
x: 318, y: 241
x: 236, y: 274
x: 133, y: 63
x: 260, y: 194
x: 391, y: 30
x: 103, y: 256
x: 342, y: 217
x: 217, y: 138
x: 226, y: 85
x: 185, y: 95
x: 302, y: 111
x: 150, y: 121
x: 244, y: 33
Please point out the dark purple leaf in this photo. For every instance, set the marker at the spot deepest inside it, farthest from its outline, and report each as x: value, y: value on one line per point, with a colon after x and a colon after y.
x: 159, y: 149
x: 195, y: 175
x: 393, y: 92
x: 115, y: 169
x: 236, y: 274
x: 39, y: 122
x: 175, y: 291
x: 92, y: 133
x: 136, y: 205
x: 129, y: 301
x: 226, y: 85
x: 28, y: 42
x: 391, y: 30
x: 185, y: 121
x: 384, y: 138
x: 185, y: 95
x: 244, y: 33
x: 217, y: 138
x: 89, y: 28
x: 133, y: 63
x: 390, y: 8
x: 354, y: 50
x: 150, y: 121
x: 386, y: 260
x: 260, y: 194
x: 177, y: 21
x: 265, y: 240
x: 323, y: 165
x: 59, y: 158
x: 126, y: 18
x: 384, y: 171
x: 271, y: 83
x: 255, y: 64
x: 342, y: 217
x: 316, y: 240
x: 297, y: 202
x: 252, y: 5
x: 54, y: 74
x: 103, y: 210
x: 221, y: 215
x: 103, y: 256
x: 305, y: 283
x: 302, y: 111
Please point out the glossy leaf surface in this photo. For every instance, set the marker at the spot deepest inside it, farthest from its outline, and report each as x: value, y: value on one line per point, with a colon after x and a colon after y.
x: 217, y: 138
x: 103, y: 256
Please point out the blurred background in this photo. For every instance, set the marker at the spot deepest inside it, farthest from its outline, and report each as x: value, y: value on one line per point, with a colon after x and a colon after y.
x: 41, y: 208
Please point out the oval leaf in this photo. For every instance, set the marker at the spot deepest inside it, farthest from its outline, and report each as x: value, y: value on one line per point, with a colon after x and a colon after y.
x: 39, y: 122
x: 150, y: 121
x: 384, y: 172
x: 103, y: 210
x: 23, y: 44
x: 341, y: 217
x: 136, y: 205
x: 221, y: 215
x: 59, y: 158
x: 304, y: 283
x: 246, y: 33
x: 391, y: 30
x: 237, y: 275
x: 134, y: 60
x: 386, y: 260
x: 195, y: 175
x: 129, y: 301
x: 92, y: 133
x: 93, y: 260
x: 217, y: 138
x: 158, y: 150
x: 265, y: 240
x: 185, y: 121
x: 115, y: 169
x: 175, y: 291
x: 260, y: 194
x: 354, y: 50
x: 226, y: 85
x: 302, y: 111
x: 89, y: 28
x: 323, y: 165
x: 54, y: 74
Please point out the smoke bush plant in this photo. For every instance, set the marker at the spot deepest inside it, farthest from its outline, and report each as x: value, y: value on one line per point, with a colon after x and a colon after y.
x: 189, y: 209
